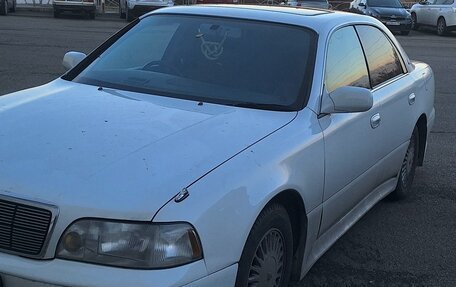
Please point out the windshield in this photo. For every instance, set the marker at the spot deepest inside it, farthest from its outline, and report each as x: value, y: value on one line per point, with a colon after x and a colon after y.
x: 384, y: 3
x: 208, y: 59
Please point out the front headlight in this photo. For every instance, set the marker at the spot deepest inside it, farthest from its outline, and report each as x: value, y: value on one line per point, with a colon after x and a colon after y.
x: 375, y: 15
x: 130, y: 244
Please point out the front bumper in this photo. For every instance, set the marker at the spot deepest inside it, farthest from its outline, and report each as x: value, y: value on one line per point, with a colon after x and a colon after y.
x: 398, y: 26
x: 62, y: 6
x: 21, y: 272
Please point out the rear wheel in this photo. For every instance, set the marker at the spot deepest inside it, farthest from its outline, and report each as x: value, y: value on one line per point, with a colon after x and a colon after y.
x: 407, y: 173
x: 56, y: 13
x: 3, y: 7
x: 415, y: 25
x: 441, y: 27
x: 267, y: 255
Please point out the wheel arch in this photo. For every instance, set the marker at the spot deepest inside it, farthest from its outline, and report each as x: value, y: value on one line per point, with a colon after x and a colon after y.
x: 421, y: 124
x: 292, y: 201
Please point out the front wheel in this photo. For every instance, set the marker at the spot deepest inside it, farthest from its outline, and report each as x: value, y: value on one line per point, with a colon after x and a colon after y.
x: 121, y: 13
x: 408, y: 167
x: 415, y: 25
x: 267, y: 255
x: 441, y: 27
x: 129, y: 15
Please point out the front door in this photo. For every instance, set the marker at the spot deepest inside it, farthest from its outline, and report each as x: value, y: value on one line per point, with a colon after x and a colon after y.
x: 351, y: 139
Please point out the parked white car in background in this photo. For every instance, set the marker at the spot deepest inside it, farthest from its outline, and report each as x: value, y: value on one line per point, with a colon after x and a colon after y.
x: 321, y: 4
x: 437, y: 13
x: 131, y: 9
x: 81, y: 7
x: 190, y: 150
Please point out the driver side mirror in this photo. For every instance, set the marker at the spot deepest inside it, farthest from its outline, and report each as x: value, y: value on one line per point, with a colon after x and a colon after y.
x: 71, y: 59
x: 347, y: 99
x: 362, y: 5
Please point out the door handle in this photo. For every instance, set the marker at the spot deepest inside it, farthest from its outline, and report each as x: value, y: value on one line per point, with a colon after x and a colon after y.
x: 375, y: 120
x: 411, y: 98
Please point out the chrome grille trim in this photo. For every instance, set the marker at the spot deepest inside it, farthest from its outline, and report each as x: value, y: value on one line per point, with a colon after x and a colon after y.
x: 25, y: 226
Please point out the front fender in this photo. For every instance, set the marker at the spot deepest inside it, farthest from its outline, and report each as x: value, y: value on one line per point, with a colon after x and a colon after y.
x: 224, y: 204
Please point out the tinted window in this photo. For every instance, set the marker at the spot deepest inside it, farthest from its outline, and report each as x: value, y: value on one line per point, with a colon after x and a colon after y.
x: 209, y: 59
x: 444, y: 2
x: 382, y: 58
x: 345, y: 64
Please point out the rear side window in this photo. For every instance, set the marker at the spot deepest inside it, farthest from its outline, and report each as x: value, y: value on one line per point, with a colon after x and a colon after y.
x: 382, y: 58
x: 444, y: 2
x: 345, y: 64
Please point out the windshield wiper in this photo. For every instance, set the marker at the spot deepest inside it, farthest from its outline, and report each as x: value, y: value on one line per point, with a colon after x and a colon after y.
x: 274, y: 107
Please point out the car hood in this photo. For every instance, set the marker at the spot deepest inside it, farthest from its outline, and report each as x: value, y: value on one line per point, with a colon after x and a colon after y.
x: 116, y: 154
x: 387, y: 11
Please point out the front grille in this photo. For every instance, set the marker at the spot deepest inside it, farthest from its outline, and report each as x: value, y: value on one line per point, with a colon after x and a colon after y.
x: 23, y: 228
x: 388, y: 18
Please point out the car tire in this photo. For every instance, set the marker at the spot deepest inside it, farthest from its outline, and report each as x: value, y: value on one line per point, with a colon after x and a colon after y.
x: 415, y: 25
x: 405, y: 33
x: 441, y: 27
x: 268, y: 251
x: 92, y: 15
x: 14, y: 6
x: 3, y: 7
x: 121, y: 13
x: 56, y: 13
x: 129, y: 15
x: 408, y: 167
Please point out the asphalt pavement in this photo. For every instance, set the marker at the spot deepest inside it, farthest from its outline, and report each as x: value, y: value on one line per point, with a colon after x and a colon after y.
x: 406, y: 243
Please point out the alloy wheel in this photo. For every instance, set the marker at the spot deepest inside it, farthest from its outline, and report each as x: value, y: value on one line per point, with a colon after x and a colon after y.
x: 266, y: 269
x: 407, y: 165
x: 414, y: 26
x: 441, y: 26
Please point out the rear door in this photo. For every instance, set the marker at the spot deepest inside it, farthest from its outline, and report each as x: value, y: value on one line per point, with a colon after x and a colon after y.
x: 443, y: 8
x: 427, y: 13
x: 394, y: 89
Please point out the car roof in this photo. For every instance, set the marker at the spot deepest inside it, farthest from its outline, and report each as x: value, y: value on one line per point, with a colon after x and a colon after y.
x: 319, y: 20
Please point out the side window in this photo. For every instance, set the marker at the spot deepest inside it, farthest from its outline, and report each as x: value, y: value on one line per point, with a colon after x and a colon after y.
x: 444, y: 2
x: 345, y: 64
x: 382, y: 58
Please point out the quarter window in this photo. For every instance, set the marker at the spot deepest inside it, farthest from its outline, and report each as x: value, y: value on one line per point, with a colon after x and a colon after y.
x: 345, y: 64
x: 382, y: 58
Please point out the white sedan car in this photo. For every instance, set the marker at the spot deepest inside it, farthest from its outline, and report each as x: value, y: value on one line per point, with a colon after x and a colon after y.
x: 131, y: 9
x: 435, y: 13
x: 208, y: 146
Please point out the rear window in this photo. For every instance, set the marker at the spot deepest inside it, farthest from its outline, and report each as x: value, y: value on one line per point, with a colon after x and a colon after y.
x: 218, y: 60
